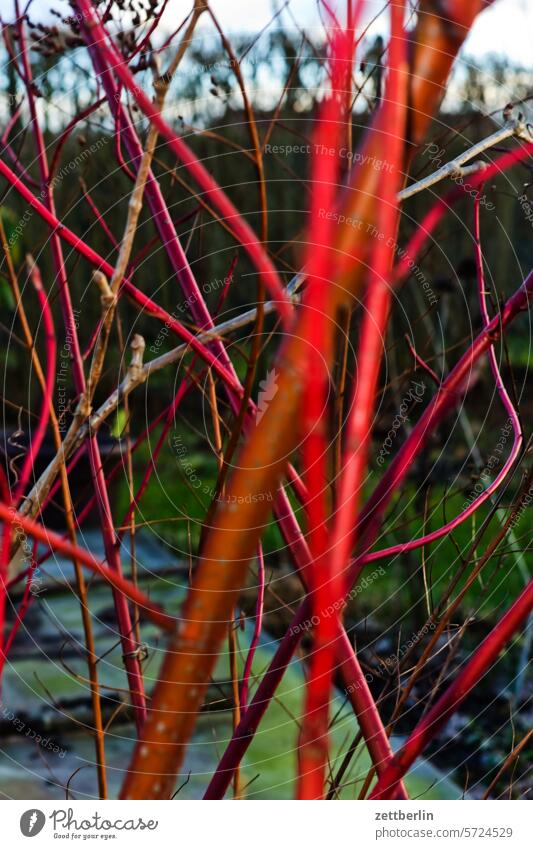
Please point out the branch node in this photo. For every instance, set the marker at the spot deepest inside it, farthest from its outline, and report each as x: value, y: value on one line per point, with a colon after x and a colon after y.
x: 135, y: 370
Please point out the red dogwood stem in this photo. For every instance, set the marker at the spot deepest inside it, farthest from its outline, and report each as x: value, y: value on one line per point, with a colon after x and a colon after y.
x: 143, y: 301
x: 285, y: 513
x: 448, y: 395
x: 325, y: 583
x: 243, y: 231
x: 37, y: 437
x: 131, y: 661
x: 330, y: 580
x: 436, y: 412
x: 470, y: 675
x: 23, y: 525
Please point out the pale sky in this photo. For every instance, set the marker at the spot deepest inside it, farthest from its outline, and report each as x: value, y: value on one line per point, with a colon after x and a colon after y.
x: 505, y: 28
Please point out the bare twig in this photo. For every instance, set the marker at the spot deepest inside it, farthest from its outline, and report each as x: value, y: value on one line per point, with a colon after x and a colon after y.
x: 455, y: 168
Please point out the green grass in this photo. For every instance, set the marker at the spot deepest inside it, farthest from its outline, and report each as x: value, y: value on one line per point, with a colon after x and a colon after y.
x: 180, y: 491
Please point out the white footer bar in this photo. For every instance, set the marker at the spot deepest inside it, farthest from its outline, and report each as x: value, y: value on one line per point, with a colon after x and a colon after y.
x: 267, y: 825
